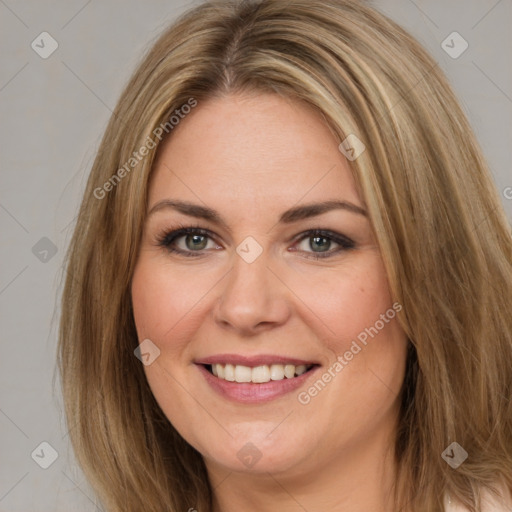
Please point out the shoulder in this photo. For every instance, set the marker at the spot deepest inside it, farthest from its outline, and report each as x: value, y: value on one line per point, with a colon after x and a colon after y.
x: 490, y: 502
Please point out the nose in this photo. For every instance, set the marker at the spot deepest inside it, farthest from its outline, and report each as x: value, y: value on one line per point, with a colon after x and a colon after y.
x: 253, y: 299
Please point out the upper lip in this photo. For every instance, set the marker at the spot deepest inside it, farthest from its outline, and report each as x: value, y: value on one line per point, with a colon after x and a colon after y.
x: 254, y: 360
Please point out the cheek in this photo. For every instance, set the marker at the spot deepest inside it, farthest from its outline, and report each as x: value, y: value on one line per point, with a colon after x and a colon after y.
x: 347, y: 299
x: 355, y: 313
x: 164, y: 301
x: 332, y: 306
x: 163, y: 310
x: 342, y: 302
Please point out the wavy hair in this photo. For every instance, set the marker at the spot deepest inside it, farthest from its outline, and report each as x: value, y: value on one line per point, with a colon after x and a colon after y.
x: 442, y: 233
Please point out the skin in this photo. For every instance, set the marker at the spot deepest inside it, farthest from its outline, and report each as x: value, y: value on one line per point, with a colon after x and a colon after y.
x: 251, y: 157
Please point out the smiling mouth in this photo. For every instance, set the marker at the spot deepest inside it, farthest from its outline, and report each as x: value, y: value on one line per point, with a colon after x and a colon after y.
x: 257, y: 374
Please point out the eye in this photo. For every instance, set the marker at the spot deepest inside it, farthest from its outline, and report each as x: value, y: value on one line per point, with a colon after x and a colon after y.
x: 187, y: 241
x: 191, y: 241
x: 320, y: 242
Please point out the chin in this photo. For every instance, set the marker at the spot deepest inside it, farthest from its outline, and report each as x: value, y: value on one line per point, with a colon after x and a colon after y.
x: 255, y: 452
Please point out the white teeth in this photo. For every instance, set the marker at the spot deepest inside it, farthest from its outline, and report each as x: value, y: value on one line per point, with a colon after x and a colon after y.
x: 220, y: 371
x: 289, y: 371
x: 229, y: 372
x: 299, y: 370
x: 258, y: 374
x: 243, y: 374
x: 277, y: 372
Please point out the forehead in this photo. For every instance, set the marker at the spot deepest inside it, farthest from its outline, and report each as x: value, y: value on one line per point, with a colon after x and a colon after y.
x: 250, y: 149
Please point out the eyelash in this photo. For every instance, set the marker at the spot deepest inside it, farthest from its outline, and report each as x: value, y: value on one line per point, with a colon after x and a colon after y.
x: 168, y: 238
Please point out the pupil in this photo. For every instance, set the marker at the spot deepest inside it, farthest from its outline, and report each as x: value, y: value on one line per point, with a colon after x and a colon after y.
x: 318, y: 244
x: 196, y: 241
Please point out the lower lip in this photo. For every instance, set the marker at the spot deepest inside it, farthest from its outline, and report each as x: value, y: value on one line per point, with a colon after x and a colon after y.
x: 251, y: 393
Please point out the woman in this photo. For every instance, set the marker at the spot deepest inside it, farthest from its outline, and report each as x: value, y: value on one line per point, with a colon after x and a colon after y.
x: 289, y: 283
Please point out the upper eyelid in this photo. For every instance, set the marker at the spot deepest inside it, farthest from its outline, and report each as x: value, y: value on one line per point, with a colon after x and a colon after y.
x: 185, y: 230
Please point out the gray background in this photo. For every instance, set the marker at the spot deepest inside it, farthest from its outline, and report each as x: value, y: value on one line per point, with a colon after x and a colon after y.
x: 53, y: 114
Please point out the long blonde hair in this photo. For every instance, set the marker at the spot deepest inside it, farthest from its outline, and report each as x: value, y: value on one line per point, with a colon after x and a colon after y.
x: 442, y: 232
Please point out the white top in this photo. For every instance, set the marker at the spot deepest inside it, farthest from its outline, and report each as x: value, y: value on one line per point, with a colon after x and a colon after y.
x: 489, y: 503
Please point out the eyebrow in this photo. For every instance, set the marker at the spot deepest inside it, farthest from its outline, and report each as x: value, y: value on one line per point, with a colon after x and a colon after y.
x: 292, y: 215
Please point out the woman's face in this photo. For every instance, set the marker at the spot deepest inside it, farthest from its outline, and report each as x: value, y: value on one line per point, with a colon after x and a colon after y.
x: 257, y: 296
